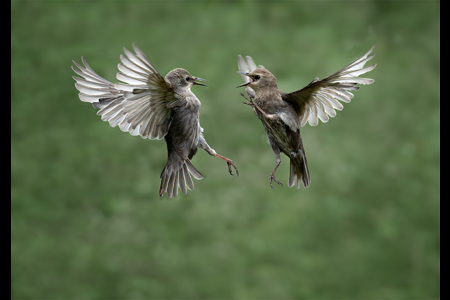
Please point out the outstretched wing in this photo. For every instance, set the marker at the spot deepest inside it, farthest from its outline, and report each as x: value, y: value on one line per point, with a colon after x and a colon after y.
x: 247, y: 66
x: 320, y: 98
x: 139, y: 106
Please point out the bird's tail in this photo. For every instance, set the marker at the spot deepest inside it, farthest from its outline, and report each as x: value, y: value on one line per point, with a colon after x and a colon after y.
x: 299, y: 171
x: 177, y: 173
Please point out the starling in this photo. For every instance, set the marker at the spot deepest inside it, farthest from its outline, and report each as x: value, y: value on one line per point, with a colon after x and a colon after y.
x: 283, y: 114
x: 153, y: 107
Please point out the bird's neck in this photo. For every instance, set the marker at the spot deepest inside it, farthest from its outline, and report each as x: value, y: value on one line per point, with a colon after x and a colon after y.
x: 267, y: 92
x: 182, y: 91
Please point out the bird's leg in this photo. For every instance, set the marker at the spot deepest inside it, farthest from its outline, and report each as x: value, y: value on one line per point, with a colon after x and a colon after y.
x: 272, y: 175
x: 204, y: 145
x: 277, y: 152
x: 250, y: 103
x: 229, y: 163
x: 255, y: 106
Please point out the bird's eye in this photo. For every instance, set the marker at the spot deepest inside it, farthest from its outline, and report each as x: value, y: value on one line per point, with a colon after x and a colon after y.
x: 188, y: 78
x: 257, y: 77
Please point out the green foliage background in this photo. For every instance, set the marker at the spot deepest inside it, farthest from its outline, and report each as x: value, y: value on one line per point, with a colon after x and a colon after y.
x: 86, y: 219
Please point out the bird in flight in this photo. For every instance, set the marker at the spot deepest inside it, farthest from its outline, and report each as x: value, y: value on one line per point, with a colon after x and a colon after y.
x: 151, y: 106
x: 283, y: 114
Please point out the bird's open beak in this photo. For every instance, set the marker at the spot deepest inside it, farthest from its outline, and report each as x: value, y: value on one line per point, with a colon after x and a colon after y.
x: 198, y: 83
x: 246, y: 74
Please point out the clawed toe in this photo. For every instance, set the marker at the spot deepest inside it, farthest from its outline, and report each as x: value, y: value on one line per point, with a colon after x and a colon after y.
x: 255, y: 106
x: 231, y: 163
x: 273, y: 178
x: 250, y: 101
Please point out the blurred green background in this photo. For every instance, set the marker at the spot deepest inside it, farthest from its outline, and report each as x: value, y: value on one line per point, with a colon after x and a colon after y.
x: 86, y: 218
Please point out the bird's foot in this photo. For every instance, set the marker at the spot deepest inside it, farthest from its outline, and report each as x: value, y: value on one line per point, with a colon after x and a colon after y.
x: 229, y: 163
x: 273, y: 178
x: 255, y: 106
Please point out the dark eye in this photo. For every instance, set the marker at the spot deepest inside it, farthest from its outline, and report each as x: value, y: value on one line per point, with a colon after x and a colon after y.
x: 257, y: 77
x: 188, y: 78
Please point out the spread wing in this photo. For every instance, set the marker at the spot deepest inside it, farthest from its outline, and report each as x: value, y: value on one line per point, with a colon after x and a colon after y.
x: 140, y: 105
x: 247, y: 66
x: 320, y: 98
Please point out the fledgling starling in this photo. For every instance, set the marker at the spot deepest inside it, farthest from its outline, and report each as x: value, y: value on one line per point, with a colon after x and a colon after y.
x: 283, y: 114
x: 153, y: 107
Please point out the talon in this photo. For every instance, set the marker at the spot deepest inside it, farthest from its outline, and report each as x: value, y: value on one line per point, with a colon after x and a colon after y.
x: 272, y: 177
x: 249, y: 100
x: 255, y: 106
x: 230, y: 163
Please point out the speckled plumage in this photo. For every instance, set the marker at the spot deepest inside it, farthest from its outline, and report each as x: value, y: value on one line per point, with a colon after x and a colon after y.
x: 283, y: 114
x: 153, y: 107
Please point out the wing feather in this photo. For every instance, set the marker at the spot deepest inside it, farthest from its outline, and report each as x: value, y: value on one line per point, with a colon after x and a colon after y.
x: 320, y: 98
x: 127, y: 71
x: 140, y: 104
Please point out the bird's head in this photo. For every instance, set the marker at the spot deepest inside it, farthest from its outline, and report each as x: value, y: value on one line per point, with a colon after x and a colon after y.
x: 182, y: 79
x: 259, y: 79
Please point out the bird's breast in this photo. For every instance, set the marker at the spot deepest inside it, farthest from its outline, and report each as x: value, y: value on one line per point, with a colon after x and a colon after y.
x: 269, y: 107
x: 280, y: 133
x: 184, y: 130
x: 275, y: 129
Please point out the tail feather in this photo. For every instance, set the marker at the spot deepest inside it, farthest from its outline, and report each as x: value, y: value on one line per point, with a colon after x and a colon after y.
x: 197, y: 175
x: 299, y: 172
x: 177, y: 174
x: 181, y: 181
x: 187, y: 178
